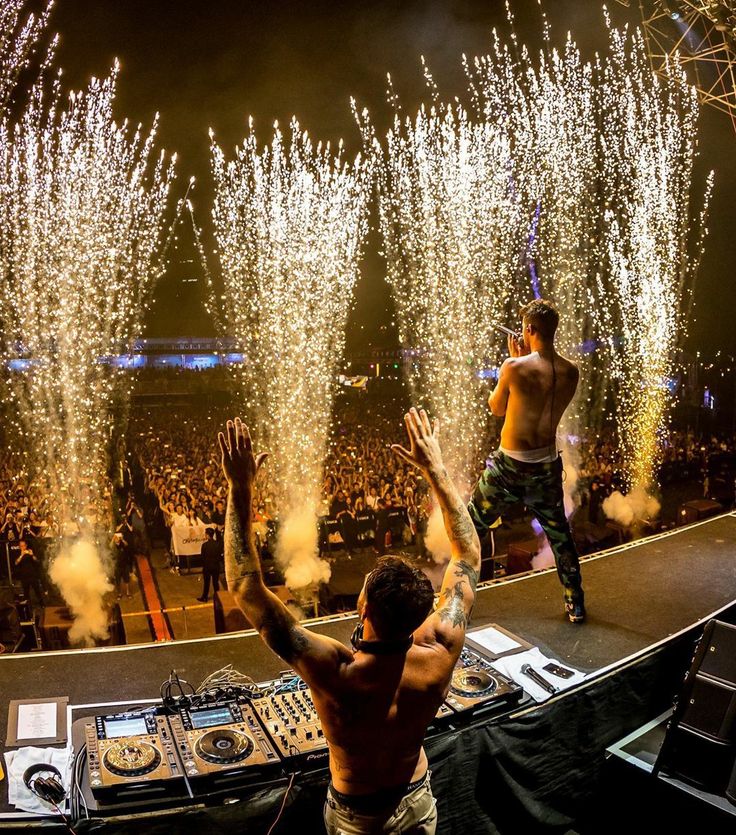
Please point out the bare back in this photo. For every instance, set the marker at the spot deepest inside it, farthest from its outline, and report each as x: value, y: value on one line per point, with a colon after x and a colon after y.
x: 376, y: 716
x: 535, y: 407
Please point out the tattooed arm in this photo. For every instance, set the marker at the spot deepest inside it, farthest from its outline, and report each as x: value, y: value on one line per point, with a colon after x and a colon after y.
x: 457, y: 594
x: 314, y: 657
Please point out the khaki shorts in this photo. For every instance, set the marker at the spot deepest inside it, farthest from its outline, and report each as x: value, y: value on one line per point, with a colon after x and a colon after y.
x: 415, y: 814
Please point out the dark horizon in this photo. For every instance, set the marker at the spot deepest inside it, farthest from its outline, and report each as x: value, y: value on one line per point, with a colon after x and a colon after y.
x: 212, y: 65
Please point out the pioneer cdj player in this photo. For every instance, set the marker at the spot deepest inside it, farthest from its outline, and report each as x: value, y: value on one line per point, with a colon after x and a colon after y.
x: 477, y: 686
x: 131, y: 753
x: 221, y: 743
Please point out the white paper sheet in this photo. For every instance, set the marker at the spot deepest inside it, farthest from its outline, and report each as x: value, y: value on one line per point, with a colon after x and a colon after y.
x: 493, y: 640
x: 37, y: 721
x: 511, y: 665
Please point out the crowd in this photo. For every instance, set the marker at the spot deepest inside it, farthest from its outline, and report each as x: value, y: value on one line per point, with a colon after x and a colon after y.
x: 369, y: 496
x: 364, y: 483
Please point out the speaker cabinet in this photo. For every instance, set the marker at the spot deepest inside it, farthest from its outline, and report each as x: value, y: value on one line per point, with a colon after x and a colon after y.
x: 696, y: 510
x: 229, y: 617
x: 700, y: 743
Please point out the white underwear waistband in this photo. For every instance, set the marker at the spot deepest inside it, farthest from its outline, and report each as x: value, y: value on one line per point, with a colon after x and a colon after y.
x: 544, y: 455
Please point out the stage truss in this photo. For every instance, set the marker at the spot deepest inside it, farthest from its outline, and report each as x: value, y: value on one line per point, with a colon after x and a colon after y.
x: 701, y: 35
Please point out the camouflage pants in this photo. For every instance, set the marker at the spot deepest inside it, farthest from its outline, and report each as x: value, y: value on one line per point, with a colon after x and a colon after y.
x: 506, y: 482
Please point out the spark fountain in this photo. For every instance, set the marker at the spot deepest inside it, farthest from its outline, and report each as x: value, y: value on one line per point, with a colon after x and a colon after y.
x: 654, y: 242
x: 82, y: 205
x: 570, y: 180
x: 452, y: 227
x: 18, y: 39
x: 289, y: 221
x: 549, y: 108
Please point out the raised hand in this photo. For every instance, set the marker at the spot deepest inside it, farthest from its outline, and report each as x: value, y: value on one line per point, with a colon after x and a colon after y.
x: 239, y: 463
x: 424, y: 447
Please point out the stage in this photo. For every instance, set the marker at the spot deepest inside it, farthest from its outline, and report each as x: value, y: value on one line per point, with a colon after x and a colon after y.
x: 540, y: 768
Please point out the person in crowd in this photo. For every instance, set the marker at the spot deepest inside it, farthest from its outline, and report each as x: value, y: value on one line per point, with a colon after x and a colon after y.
x: 376, y: 699
x: 27, y: 568
x: 211, y: 561
x: 122, y: 552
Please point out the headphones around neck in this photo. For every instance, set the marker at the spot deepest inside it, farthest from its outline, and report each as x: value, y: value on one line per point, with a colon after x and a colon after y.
x: 378, y: 647
x: 49, y: 789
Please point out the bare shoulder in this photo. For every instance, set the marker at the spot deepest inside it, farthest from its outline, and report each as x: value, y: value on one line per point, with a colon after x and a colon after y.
x: 569, y: 366
x: 439, y: 649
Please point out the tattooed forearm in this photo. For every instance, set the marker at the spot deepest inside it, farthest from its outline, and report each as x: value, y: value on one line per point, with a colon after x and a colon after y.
x: 284, y: 635
x: 464, y: 569
x: 452, y: 606
x: 241, y: 558
x: 458, y: 524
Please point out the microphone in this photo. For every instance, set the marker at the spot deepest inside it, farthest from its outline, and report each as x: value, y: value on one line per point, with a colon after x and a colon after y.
x: 509, y: 332
x: 537, y: 678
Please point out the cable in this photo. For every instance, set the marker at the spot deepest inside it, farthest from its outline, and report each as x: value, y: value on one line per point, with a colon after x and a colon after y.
x: 283, y: 804
x: 174, y: 682
x: 64, y: 818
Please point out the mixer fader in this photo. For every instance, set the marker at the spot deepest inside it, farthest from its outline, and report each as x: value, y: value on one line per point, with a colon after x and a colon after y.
x: 291, y: 720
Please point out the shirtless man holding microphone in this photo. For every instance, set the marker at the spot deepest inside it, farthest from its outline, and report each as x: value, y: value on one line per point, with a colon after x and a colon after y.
x: 535, y: 386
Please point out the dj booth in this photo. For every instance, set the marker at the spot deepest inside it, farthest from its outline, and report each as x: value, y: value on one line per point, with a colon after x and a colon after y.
x: 233, y: 761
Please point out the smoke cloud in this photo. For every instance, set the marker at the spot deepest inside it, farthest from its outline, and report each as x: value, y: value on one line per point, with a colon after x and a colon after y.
x: 544, y: 558
x: 436, y: 540
x: 80, y: 574
x: 571, y: 464
x: 297, y: 551
x: 635, y: 507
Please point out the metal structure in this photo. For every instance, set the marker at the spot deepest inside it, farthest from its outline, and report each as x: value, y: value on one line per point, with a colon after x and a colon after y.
x: 700, y: 35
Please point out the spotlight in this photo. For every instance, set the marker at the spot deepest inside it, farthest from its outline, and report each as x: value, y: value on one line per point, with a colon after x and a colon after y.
x: 675, y: 15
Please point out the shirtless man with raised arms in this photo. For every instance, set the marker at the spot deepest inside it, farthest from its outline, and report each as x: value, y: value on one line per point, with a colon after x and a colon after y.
x: 535, y: 386
x: 376, y: 699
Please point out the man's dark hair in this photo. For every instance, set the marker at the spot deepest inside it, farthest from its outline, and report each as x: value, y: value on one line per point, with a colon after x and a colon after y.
x: 209, y: 532
x: 543, y: 315
x: 399, y: 598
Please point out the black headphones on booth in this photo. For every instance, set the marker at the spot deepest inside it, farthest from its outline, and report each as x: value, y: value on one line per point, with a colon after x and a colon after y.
x: 49, y: 789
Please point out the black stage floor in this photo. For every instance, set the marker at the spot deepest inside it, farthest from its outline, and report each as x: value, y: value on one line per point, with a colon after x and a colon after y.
x: 637, y: 596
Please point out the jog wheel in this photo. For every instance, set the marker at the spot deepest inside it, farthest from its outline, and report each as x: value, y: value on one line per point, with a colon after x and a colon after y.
x: 223, y: 745
x: 472, y: 683
x: 131, y: 758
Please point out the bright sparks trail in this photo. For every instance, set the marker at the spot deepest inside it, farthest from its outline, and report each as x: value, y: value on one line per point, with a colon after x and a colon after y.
x: 606, y: 150
x: 649, y: 133
x: 452, y: 229
x: 549, y: 108
x: 82, y: 203
x: 18, y: 38
x: 290, y: 220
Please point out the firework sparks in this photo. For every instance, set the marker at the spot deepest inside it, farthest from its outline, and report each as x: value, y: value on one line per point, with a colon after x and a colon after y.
x: 452, y: 227
x: 600, y: 157
x: 649, y: 132
x: 82, y: 202
x: 289, y: 222
x: 18, y: 39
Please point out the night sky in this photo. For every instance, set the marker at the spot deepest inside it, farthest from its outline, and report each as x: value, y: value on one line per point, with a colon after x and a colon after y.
x: 214, y: 62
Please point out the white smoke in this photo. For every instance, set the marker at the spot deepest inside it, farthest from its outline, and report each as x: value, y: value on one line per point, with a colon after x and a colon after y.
x: 633, y: 508
x: 571, y: 465
x: 297, y: 550
x: 544, y: 558
x: 80, y: 574
x: 436, y: 540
